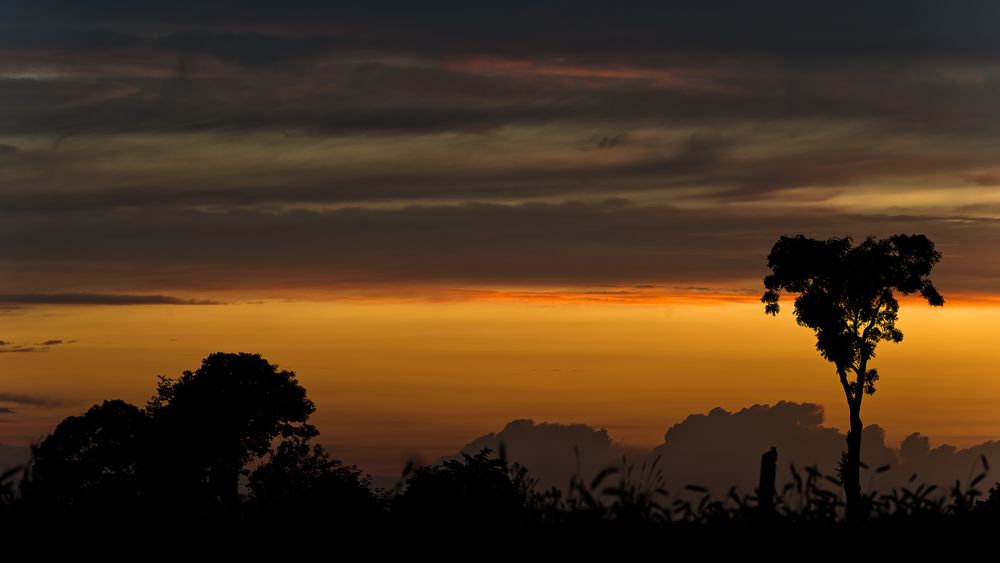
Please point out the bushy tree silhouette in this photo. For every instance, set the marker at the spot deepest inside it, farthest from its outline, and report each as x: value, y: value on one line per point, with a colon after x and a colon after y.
x: 212, y: 422
x: 476, y: 491
x: 300, y: 478
x: 90, y: 463
x: 846, y: 296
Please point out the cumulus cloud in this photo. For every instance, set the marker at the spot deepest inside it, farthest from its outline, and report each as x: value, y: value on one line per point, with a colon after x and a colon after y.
x: 944, y: 464
x: 721, y: 449
x: 13, y: 456
x: 554, y: 453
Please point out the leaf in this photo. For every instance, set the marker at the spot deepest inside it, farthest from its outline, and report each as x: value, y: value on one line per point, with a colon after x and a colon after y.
x: 976, y: 481
x: 603, y: 475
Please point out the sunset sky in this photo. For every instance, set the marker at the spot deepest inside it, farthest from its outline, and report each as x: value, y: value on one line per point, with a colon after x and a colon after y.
x: 445, y: 217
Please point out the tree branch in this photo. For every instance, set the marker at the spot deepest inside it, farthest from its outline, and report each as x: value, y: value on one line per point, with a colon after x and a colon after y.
x: 847, y: 387
x: 859, y: 383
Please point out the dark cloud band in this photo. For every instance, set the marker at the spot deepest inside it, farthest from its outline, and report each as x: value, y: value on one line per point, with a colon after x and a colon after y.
x: 575, y: 244
x: 93, y: 299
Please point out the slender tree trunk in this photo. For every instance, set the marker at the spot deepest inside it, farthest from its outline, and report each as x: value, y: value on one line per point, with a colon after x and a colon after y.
x: 852, y: 470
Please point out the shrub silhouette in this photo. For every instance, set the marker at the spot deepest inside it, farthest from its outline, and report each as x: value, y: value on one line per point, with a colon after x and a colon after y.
x: 300, y: 478
x: 476, y: 491
x: 108, y: 466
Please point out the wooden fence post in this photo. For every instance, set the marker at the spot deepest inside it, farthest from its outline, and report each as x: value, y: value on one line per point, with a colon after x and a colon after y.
x: 768, y: 471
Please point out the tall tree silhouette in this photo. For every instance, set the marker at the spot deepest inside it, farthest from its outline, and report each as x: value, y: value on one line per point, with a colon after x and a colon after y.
x: 846, y: 296
x: 212, y: 422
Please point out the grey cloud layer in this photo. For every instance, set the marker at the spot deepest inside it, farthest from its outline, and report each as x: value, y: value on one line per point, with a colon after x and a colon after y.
x: 895, y: 25
x: 575, y: 244
x: 175, y: 147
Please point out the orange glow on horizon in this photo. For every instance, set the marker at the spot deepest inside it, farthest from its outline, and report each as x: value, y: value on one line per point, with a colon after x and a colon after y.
x: 608, y: 295
x: 394, y: 379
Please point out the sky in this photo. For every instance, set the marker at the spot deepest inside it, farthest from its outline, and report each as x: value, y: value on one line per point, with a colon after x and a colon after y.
x: 446, y: 216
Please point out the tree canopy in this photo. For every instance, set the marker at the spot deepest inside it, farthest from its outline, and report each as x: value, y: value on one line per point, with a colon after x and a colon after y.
x: 846, y: 292
x: 93, y: 461
x: 213, y: 421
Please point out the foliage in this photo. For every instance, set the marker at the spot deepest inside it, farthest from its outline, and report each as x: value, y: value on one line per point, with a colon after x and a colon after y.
x: 96, y: 468
x: 846, y: 293
x: 212, y: 422
x: 300, y: 478
x: 91, y: 462
x: 477, y: 490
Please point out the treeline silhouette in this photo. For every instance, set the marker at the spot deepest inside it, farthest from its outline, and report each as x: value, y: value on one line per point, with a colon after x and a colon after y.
x: 229, y: 446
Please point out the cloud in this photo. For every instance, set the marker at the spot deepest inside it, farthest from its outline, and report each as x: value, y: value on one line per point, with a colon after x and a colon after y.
x: 13, y: 456
x: 144, y: 146
x: 250, y: 49
x: 887, y: 27
x: 9, y: 347
x: 7, y: 410
x: 611, y: 142
x: 944, y: 464
x: 574, y: 244
x: 22, y: 349
x: 30, y: 400
x: 94, y: 299
x: 553, y: 452
x: 716, y: 450
x: 721, y: 449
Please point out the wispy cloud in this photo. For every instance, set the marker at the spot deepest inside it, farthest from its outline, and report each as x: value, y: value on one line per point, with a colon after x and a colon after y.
x: 45, y: 346
x: 95, y: 299
x: 22, y: 349
x: 533, y: 246
x: 30, y: 400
